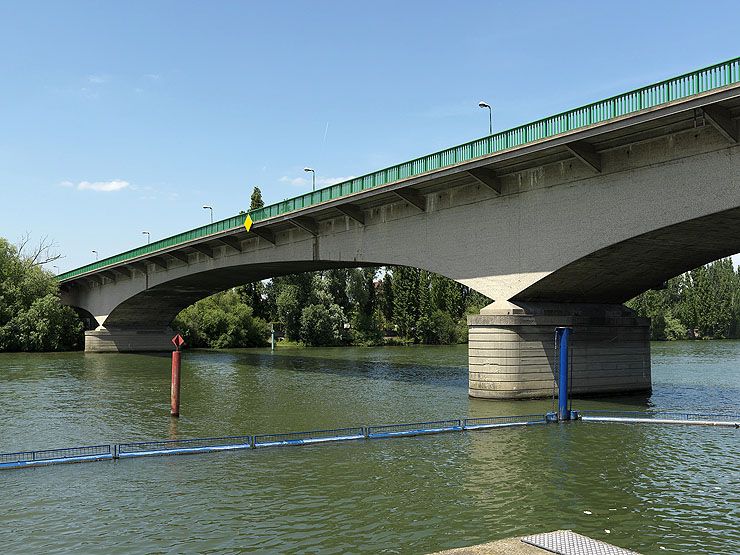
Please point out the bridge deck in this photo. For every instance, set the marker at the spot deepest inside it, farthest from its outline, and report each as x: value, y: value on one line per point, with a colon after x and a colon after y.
x: 549, y: 139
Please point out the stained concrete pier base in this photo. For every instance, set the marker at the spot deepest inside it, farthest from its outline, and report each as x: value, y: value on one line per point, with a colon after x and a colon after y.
x: 104, y: 340
x: 512, y: 350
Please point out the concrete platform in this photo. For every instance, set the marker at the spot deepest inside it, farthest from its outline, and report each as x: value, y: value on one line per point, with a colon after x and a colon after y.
x: 510, y: 546
x: 565, y: 542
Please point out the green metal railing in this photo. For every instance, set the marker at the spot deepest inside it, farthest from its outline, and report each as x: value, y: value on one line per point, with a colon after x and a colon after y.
x: 689, y: 84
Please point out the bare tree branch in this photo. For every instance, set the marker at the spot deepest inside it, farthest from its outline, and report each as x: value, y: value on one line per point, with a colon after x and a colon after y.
x: 42, y: 253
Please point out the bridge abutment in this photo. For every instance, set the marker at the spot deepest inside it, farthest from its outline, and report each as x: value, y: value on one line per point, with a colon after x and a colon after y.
x: 104, y: 340
x: 512, y: 351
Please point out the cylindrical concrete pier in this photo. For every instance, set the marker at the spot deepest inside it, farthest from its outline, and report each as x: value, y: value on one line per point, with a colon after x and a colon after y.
x: 512, y: 355
x: 105, y: 340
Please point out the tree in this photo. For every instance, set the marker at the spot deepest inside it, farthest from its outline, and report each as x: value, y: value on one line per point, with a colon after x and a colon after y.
x: 363, y: 299
x: 289, y: 310
x: 256, y: 199
x: 31, y: 316
x: 254, y: 295
x: 221, y: 321
x: 405, y: 301
x: 702, y: 301
x: 322, y: 325
x: 38, y: 255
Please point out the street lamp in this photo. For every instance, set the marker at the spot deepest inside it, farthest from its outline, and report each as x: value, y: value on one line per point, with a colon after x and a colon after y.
x: 56, y: 268
x: 313, y: 177
x: 96, y: 254
x: 206, y: 207
x: 148, y: 236
x: 482, y: 104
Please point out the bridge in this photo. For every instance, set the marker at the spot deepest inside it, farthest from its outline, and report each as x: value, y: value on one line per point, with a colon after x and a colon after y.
x: 559, y: 221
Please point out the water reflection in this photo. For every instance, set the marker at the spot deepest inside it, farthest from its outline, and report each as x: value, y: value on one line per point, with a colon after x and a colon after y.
x: 651, y: 487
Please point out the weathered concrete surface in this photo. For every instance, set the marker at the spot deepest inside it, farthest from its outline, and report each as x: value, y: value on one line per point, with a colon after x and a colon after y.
x: 119, y: 341
x: 510, y: 546
x: 512, y: 356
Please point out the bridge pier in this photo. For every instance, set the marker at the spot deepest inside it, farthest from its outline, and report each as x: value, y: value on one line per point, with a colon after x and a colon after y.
x: 103, y: 340
x: 512, y: 351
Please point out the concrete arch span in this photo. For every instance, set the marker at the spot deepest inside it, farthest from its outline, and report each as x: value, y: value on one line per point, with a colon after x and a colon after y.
x: 552, y: 240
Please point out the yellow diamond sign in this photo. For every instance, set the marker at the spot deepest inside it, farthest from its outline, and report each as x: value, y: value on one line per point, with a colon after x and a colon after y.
x: 248, y: 222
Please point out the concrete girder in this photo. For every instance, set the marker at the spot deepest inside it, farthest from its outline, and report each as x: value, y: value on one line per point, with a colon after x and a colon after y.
x: 140, y: 266
x: 412, y: 197
x: 93, y: 279
x: 179, y: 255
x: 721, y: 119
x: 352, y: 211
x: 158, y: 261
x: 123, y: 271
x: 305, y: 223
x: 264, y: 233
x: 487, y: 177
x: 109, y: 274
x: 586, y: 153
x: 231, y: 242
x: 203, y: 249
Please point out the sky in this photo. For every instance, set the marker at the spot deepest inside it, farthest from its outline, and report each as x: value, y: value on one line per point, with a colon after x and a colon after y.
x: 120, y: 117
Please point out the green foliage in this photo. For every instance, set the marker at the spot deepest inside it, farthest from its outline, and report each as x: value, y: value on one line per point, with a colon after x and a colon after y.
x: 221, y: 321
x: 322, y: 325
x: 31, y: 316
x: 289, y: 311
x: 704, y: 302
x: 358, y: 305
x: 256, y: 199
x: 405, y: 300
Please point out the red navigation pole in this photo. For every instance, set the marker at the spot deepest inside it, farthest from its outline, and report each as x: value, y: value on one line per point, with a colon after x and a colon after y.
x: 178, y: 342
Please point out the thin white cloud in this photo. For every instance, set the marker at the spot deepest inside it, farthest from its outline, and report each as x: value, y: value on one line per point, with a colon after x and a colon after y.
x: 100, y: 186
x: 321, y: 181
x: 98, y: 78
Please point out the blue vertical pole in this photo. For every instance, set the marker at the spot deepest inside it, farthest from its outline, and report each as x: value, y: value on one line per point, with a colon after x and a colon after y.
x: 563, y: 338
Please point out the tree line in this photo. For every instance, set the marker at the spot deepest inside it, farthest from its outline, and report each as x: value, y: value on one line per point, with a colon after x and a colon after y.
x: 360, y: 306
x: 701, y: 304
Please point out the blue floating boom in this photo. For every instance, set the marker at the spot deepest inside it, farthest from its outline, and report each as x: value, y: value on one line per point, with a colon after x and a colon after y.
x: 414, y: 429
x: 45, y: 457
x: 307, y: 438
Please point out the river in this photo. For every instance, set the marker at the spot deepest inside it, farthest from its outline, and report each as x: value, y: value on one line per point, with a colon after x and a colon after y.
x: 656, y: 489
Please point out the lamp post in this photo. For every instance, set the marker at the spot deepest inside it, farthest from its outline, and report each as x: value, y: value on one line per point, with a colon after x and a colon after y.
x: 206, y: 207
x: 95, y: 253
x: 482, y: 104
x: 56, y: 268
x: 313, y: 177
x: 148, y: 236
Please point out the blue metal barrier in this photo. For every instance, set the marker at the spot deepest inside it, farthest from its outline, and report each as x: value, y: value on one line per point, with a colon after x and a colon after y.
x: 232, y: 443
x: 87, y: 453
x: 414, y: 429
x: 182, y: 446
x: 502, y: 421
x: 314, y: 436
x: 661, y: 417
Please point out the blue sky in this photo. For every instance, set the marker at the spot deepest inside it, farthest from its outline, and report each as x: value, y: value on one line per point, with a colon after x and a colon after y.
x: 118, y: 117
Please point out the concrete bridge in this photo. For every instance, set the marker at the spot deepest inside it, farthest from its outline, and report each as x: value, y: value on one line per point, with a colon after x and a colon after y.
x: 559, y: 222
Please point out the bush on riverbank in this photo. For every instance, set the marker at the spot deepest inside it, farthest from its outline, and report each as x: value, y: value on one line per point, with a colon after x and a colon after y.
x: 31, y: 315
x: 221, y: 321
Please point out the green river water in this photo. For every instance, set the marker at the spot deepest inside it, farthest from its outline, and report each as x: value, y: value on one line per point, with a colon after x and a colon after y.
x: 655, y: 488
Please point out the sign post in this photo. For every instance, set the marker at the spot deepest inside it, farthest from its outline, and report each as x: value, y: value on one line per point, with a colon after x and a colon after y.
x: 562, y: 338
x: 178, y: 342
